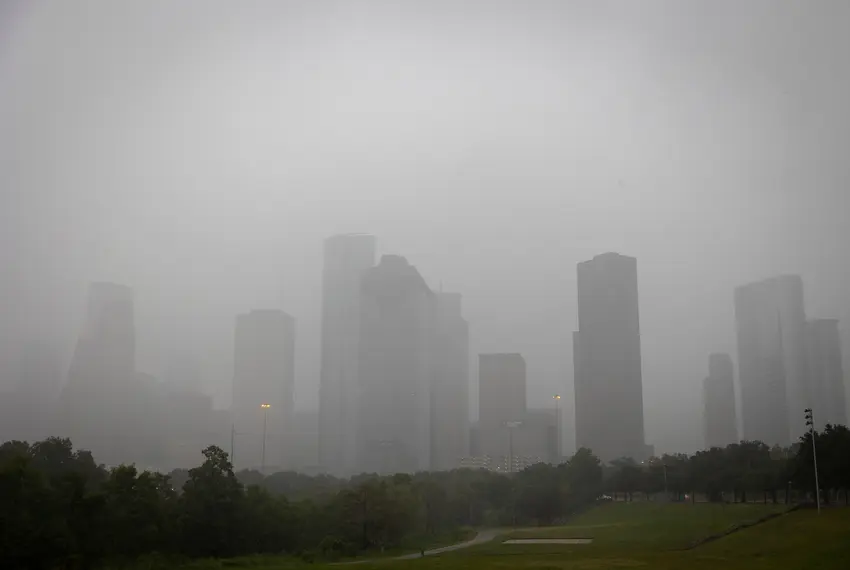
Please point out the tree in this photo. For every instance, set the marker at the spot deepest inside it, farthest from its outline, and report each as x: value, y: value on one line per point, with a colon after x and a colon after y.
x: 210, y: 508
x: 583, y: 473
x: 627, y: 477
x: 541, y: 493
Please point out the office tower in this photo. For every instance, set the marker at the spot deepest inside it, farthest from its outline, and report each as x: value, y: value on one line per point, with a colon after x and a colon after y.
x: 93, y: 408
x: 398, y: 311
x: 346, y: 259
x: 501, y: 402
x: 263, y: 386
x: 771, y: 324
x: 826, y: 372
x: 719, y: 421
x: 536, y: 440
x: 607, y: 359
x: 106, y: 349
x: 182, y: 372
x: 27, y: 410
x: 450, y: 389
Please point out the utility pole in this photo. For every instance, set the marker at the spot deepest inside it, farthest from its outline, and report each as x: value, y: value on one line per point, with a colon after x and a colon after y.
x: 810, y: 421
x: 232, y: 439
x: 557, y: 398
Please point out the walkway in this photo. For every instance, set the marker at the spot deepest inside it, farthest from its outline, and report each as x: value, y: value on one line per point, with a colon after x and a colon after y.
x: 485, y: 535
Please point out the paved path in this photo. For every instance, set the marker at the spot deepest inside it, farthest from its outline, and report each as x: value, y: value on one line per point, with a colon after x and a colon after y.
x: 485, y: 535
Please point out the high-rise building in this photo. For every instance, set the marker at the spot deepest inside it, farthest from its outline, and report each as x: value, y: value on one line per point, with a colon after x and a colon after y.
x: 397, y: 324
x: 27, y: 411
x: 607, y: 359
x: 501, y: 402
x: 263, y: 386
x: 106, y: 349
x: 826, y: 372
x: 346, y: 259
x: 450, y: 389
x: 719, y: 421
x: 771, y: 324
x: 101, y: 379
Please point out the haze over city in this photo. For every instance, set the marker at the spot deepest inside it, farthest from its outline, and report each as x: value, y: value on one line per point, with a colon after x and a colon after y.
x: 201, y: 156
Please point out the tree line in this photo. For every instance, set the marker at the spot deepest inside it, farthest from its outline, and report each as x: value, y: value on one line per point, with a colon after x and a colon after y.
x: 741, y: 472
x: 61, y: 509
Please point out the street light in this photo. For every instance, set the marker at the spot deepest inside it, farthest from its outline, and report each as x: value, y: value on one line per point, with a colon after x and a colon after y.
x: 810, y: 421
x: 265, y: 408
x: 557, y: 398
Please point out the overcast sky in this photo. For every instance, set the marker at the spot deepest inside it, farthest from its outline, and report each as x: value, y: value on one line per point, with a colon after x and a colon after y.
x: 199, y: 151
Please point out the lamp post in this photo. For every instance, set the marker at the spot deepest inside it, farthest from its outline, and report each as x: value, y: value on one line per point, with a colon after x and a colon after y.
x: 810, y: 421
x: 265, y: 408
x: 558, y: 451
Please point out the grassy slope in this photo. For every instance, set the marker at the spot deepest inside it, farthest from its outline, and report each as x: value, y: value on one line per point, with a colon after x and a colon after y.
x: 651, y: 536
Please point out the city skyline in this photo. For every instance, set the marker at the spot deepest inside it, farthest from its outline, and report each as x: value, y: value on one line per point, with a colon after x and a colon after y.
x: 206, y: 170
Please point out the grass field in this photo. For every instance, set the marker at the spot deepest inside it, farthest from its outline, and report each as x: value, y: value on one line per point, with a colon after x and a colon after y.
x: 645, y: 535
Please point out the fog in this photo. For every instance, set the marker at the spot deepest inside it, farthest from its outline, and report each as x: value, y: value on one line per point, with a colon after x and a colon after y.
x: 201, y: 152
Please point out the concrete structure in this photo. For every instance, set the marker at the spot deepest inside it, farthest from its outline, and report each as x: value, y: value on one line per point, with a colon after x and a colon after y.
x: 607, y: 359
x: 27, y: 410
x: 263, y: 373
x: 346, y: 259
x: 771, y: 325
x: 536, y: 440
x: 397, y: 323
x: 720, y: 424
x: 450, y: 388
x: 501, y: 400
x: 826, y: 372
x: 101, y: 385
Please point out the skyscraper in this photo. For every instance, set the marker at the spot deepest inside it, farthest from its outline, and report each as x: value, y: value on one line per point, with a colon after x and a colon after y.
x: 607, y: 359
x: 450, y: 389
x: 101, y: 379
x: 501, y: 402
x: 397, y: 323
x: 826, y: 372
x: 771, y: 324
x: 347, y: 257
x: 719, y: 420
x: 263, y: 373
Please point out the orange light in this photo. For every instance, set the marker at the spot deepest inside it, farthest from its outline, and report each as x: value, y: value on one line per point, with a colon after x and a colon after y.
x: 265, y: 406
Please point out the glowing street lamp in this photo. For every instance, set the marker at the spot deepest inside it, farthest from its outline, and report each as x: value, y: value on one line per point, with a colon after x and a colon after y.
x: 265, y: 408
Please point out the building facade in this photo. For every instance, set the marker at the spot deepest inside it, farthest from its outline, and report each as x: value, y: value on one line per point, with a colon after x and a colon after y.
x: 771, y: 324
x: 263, y: 386
x: 450, y: 387
x: 501, y: 402
x: 720, y: 424
x: 607, y: 359
x: 101, y: 393
x: 346, y: 260
x: 826, y: 372
x: 397, y: 324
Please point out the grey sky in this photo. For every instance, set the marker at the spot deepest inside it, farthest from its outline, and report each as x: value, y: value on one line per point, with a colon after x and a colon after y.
x: 199, y: 151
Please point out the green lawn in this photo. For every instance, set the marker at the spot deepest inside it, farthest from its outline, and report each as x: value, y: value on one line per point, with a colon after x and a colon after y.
x: 653, y: 537
x: 645, y: 535
x: 652, y: 526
